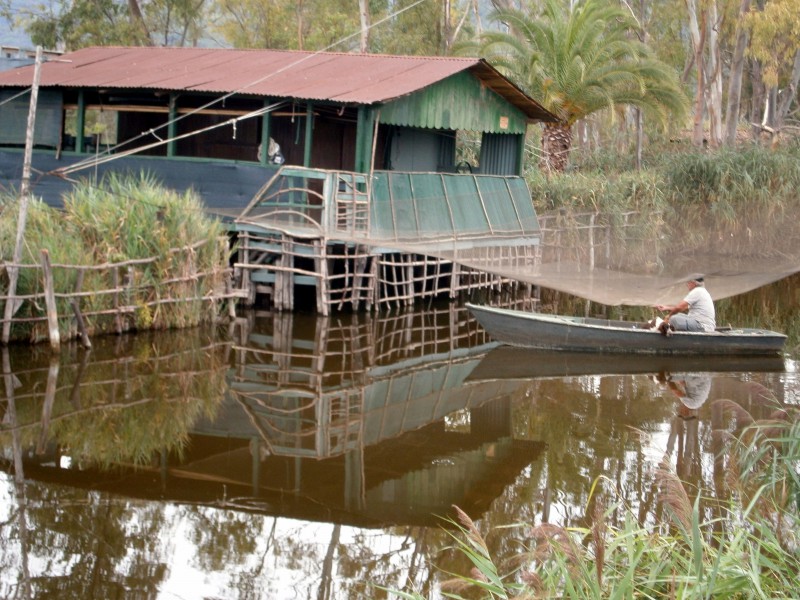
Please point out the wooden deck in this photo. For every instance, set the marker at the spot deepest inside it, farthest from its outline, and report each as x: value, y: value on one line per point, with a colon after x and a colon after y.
x: 337, y: 238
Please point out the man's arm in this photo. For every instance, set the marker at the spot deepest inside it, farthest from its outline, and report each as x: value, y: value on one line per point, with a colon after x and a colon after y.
x: 672, y: 309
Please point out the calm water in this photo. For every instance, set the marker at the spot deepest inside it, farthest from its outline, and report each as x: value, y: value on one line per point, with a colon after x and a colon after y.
x: 289, y: 456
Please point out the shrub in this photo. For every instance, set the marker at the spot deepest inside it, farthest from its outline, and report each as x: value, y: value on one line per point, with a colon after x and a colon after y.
x: 174, y: 258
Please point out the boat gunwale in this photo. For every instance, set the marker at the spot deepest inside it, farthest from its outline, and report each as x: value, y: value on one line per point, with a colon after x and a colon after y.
x: 578, y: 322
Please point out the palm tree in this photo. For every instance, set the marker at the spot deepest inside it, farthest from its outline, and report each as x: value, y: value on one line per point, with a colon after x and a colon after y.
x: 578, y: 61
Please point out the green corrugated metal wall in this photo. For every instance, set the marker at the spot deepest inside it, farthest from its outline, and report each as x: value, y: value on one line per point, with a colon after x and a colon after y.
x: 418, y: 206
x: 459, y: 102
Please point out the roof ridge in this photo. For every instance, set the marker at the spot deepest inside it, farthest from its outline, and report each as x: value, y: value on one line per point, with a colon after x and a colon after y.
x: 281, y: 50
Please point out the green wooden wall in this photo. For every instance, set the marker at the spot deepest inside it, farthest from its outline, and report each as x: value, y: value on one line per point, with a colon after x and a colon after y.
x: 459, y: 102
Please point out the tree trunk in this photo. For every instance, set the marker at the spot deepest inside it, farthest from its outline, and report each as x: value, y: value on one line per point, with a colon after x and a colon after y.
x: 363, y: 13
x: 299, y: 13
x: 697, y: 33
x: 735, y: 81
x: 788, y: 96
x: 714, y: 77
x: 556, y: 144
x: 138, y: 21
x: 757, y: 99
x: 476, y: 14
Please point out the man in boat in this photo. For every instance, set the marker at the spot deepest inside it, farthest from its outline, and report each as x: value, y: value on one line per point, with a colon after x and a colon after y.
x: 698, y: 306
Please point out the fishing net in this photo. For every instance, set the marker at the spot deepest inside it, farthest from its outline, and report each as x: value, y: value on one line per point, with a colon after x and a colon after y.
x: 634, y: 258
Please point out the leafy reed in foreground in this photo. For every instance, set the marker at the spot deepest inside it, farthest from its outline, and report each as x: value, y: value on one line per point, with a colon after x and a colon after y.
x: 749, y: 548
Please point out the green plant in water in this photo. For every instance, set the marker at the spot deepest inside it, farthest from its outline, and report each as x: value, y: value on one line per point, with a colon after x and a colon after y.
x: 745, y: 545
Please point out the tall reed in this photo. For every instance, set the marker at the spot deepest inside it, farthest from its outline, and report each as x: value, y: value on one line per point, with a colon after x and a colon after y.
x: 747, y: 547
x: 176, y: 257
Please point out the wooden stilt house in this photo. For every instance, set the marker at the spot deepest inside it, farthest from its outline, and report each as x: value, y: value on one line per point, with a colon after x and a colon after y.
x: 339, y: 173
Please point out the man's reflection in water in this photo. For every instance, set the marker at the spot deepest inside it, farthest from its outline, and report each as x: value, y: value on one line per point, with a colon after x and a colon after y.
x: 692, y: 389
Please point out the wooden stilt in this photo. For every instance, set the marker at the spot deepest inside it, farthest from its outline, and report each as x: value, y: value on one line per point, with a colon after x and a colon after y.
x: 321, y: 260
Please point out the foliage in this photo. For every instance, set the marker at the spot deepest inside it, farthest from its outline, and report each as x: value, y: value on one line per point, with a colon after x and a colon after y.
x: 744, y: 198
x: 753, y: 174
x: 771, y: 307
x: 82, y: 23
x: 748, y: 549
x: 579, y: 61
x: 124, y: 218
x: 313, y: 25
x: 137, y: 398
x: 416, y: 28
x: 775, y: 38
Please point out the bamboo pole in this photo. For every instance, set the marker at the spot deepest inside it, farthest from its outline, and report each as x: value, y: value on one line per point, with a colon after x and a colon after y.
x: 13, y: 271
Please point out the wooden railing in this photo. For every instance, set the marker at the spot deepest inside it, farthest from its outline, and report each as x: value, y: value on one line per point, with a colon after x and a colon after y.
x: 75, y: 301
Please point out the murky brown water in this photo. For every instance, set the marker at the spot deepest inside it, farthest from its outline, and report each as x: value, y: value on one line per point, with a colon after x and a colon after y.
x: 291, y: 456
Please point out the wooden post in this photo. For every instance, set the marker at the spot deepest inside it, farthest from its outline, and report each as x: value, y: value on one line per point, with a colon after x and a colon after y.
x: 360, y: 269
x: 172, y: 125
x: 320, y: 257
x: 50, y: 303
x: 13, y: 270
x: 76, y: 310
x: 115, y: 286
x: 373, y: 295
x: 409, y: 286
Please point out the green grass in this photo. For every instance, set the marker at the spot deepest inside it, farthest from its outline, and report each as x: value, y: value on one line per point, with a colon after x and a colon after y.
x: 121, y: 218
x: 745, y: 544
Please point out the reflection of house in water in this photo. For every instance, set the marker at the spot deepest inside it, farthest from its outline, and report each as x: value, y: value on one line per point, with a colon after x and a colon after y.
x: 372, y: 422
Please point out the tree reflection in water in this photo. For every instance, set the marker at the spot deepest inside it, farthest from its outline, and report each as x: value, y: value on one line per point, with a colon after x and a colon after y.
x: 296, y: 457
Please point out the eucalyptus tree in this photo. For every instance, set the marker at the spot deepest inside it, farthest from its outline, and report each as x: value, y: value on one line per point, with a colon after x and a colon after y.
x: 578, y: 60
x: 775, y: 43
x: 292, y: 24
x: 79, y: 23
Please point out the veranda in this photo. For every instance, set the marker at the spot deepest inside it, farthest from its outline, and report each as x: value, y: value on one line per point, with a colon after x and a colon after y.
x: 383, y: 239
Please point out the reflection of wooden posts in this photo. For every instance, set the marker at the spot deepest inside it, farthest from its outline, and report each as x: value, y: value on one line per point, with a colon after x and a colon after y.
x: 49, y: 400
x: 319, y: 354
x: 282, y: 344
x: 354, y: 484
x: 24, y: 587
x: 255, y: 466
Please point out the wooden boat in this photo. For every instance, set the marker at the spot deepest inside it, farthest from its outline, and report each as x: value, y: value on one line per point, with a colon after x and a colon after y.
x: 584, y: 334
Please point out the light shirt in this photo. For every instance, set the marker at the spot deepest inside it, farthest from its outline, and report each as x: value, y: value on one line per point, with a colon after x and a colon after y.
x: 697, y: 388
x: 701, y: 307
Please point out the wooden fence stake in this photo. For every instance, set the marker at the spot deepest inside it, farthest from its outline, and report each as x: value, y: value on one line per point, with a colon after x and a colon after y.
x: 76, y: 310
x: 50, y: 303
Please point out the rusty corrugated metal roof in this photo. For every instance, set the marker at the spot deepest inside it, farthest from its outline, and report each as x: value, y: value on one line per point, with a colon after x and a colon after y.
x: 338, y: 77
